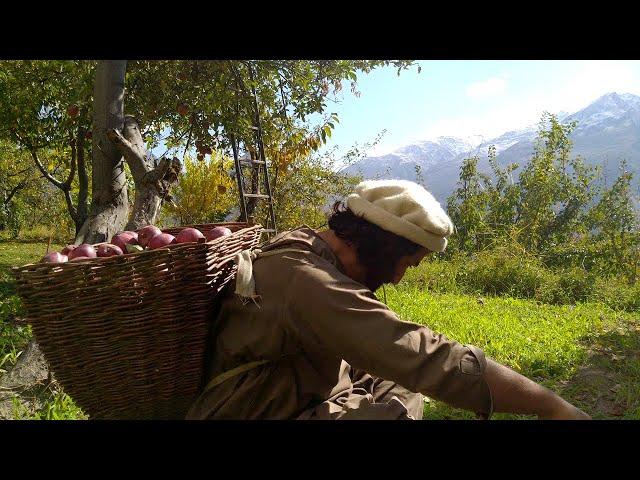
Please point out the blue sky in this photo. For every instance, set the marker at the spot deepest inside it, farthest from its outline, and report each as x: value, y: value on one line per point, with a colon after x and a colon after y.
x: 470, y: 98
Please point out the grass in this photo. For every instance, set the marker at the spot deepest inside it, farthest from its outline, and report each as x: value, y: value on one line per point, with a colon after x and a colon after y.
x: 553, y: 345
x: 55, y: 405
x: 49, y: 402
x: 13, y: 337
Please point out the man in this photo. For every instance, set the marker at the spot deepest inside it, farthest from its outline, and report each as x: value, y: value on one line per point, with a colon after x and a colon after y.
x: 315, y: 343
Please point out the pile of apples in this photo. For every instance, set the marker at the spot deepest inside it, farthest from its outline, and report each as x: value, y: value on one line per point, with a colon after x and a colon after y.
x: 147, y: 238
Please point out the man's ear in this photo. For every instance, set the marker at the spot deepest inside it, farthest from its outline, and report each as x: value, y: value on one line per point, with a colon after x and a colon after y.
x: 350, y: 243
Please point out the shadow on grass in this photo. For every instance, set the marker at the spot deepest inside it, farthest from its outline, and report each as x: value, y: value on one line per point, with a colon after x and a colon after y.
x: 7, y: 287
x: 607, y: 385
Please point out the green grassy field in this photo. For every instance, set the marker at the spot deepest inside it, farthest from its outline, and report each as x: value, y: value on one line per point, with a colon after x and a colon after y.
x: 13, y: 337
x: 52, y: 402
x: 587, y: 352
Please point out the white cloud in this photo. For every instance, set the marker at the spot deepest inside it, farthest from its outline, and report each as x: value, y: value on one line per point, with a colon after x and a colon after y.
x: 384, y: 148
x: 587, y: 81
x: 592, y: 79
x: 487, y: 88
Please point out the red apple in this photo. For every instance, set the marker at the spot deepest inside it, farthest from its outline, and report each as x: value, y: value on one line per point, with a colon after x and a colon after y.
x: 54, y: 257
x: 73, y: 110
x: 218, y: 232
x: 84, y: 250
x: 147, y: 233
x: 68, y: 249
x: 161, y: 240
x: 188, y: 235
x: 108, y: 250
x: 133, y: 234
x: 183, y: 109
x: 121, y: 239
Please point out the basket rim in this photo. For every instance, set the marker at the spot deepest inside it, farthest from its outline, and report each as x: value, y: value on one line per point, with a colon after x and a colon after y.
x: 175, y: 246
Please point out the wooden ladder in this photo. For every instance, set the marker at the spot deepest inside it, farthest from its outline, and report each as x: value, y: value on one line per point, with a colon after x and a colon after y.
x: 258, y: 168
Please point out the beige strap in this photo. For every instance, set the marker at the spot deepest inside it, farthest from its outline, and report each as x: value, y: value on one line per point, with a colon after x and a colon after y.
x: 223, y: 377
x: 268, y: 253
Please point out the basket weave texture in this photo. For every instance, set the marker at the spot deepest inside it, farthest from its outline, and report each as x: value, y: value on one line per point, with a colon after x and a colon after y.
x: 126, y: 335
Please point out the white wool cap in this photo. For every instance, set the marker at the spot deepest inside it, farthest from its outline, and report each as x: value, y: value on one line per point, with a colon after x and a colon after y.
x: 404, y: 208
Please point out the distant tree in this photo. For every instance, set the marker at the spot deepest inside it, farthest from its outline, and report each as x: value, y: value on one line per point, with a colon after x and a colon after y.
x: 614, y: 220
x: 541, y: 181
x: 305, y: 189
x: 204, y: 194
x: 45, y: 110
x: 467, y: 206
x: 556, y: 207
x: 503, y: 196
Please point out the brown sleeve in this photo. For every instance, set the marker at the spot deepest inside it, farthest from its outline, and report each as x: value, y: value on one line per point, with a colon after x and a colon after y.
x: 331, y: 312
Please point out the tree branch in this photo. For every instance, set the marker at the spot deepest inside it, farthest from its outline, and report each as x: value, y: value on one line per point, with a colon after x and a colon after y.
x: 72, y: 172
x: 131, y: 153
x: 15, y: 190
x: 44, y: 171
x: 83, y: 178
x: 15, y: 174
x: 159, y: 172
x: 72, y: 210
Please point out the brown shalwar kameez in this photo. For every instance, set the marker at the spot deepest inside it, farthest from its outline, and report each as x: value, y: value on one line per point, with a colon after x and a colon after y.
x: 330, y: 343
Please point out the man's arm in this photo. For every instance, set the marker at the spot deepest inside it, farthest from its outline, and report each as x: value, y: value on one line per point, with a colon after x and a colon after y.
x: 334, y: 315
x: 514, y: 393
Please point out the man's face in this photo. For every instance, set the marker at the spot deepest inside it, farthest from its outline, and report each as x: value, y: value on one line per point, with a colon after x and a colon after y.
x: 408, y: 261
x: 374, y: 281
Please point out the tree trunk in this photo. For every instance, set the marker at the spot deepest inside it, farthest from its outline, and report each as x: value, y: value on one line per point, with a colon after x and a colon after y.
x: 152, y: 182
x: 82, y: 211
x: 109, y: 205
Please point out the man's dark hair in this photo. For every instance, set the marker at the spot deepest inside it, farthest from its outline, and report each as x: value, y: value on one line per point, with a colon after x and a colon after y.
x: 378, y: 250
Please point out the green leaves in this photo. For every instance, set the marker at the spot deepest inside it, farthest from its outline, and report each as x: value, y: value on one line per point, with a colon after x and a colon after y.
x: 556, y: 201
x: 44, y: 103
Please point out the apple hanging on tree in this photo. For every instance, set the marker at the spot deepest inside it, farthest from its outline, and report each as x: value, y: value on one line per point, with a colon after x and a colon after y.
x: 183, y: 109
x: 73, y: 110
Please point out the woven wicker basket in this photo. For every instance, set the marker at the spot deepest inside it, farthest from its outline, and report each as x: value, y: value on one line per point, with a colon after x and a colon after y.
x: 126, y: 335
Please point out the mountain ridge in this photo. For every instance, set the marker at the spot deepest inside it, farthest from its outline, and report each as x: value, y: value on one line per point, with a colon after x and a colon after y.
x: 607, y: 131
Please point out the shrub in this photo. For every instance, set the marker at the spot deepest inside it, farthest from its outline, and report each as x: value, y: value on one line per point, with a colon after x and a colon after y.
x: 435, y: 275
x: 617, y: 294
x: 502, y: 272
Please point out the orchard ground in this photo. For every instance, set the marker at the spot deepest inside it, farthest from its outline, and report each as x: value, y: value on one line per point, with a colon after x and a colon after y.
x: 587, y: 352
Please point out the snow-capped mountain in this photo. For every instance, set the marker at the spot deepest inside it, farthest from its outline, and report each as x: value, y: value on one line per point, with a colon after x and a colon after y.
x: 402, y: 163
x: 607, y: 131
